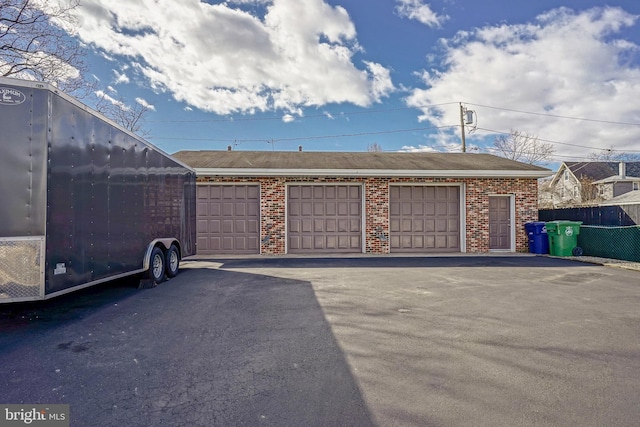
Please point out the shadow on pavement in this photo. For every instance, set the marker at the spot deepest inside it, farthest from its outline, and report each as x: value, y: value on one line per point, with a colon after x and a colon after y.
x: 391, y: 262
x: 210, y: 347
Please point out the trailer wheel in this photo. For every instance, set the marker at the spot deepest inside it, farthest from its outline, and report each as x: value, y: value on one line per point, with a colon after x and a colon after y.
x: 156, y: 266
x: 173, y: 261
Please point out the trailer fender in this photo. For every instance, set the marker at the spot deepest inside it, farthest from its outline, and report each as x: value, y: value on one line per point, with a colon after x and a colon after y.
x: 164, y: 244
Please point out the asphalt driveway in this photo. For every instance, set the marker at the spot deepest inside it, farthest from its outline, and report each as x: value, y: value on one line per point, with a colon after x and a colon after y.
x: 442, y: 341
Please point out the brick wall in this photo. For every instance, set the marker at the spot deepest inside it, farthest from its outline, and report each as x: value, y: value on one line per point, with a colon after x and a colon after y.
x: 376, y: 191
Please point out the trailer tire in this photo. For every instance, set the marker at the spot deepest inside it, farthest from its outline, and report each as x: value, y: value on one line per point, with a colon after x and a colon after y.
x: 156, y: 266
x: 172, y: 261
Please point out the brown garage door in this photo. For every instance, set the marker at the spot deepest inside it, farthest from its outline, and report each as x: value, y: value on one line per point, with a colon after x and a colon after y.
x: 324, y: 218
x: 228, y: 219
x: 424, y: 219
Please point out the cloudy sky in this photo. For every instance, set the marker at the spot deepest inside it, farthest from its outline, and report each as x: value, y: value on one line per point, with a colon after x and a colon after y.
x: 343, y: 74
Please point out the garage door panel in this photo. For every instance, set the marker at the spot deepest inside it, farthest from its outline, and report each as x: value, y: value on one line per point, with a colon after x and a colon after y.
x: 214, y: 226
x: 201, y: 208
x: 327, y: 221
x: 406, y: 241
x: 227, y: 192
x: 253, y: 209
x: 306, y: 242
x: 429, y: 209
x: 430, y: 242
x: 227, y: 209
x: 202, y: 242
x: 405, y: 208
x: 427, y: 218
x: 228, y: 219
x: 306, y: 225
x: 394, y: 208
x: 253, y: 192
x: 227, y: 243
x: 430, y: 225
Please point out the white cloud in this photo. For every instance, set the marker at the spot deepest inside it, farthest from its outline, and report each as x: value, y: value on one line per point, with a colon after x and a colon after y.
x: 451, y: 148
x: 145, y: 104
x: 120, y: 77
x: 103, y: 95
x: 565, y: 63
x: 223, y: 59
x: 288, y: 118
x: 421, y: 12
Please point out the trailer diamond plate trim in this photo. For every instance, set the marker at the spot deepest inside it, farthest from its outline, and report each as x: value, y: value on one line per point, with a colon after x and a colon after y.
x: 21, y: 268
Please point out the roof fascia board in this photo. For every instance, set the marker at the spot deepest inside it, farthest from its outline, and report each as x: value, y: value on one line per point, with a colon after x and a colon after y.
x: 373, y: 172
x: 556, y: 177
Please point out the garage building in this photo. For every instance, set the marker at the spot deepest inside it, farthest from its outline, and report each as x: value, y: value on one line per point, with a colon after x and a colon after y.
x: 265, y: 202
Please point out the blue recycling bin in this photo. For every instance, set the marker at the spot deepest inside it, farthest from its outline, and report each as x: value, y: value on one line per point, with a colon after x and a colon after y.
x: 537, y: 234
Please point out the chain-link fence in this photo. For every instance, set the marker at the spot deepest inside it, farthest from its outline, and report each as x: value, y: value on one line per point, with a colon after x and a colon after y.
x: 611, y: 242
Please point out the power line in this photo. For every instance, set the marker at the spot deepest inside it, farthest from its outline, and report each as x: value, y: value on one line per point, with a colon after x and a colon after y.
x: 558, y: 142
x: 303, y: 138
x: 556, y: 115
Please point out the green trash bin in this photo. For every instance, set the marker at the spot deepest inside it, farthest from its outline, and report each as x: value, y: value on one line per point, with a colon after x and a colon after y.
x: 563, y: 237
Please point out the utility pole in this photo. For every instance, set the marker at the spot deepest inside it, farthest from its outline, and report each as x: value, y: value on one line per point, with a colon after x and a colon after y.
x: 467, y: 117
x: 464, y: 143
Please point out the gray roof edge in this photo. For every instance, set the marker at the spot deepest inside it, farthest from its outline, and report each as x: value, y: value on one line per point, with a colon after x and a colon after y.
x: 466, y: 173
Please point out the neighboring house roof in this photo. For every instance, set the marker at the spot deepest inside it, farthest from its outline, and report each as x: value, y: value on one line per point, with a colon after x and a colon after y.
x: 617, y: 178
x: 296, y: 163
x: 601, y: 170
x: 630, y: 198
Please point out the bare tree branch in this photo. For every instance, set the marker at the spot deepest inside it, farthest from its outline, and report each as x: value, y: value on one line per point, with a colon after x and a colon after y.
x: 35, y: 44
x: 613, y: 155
x: 522, y: 147
x: 131, y: 118
x: 374, y: 147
